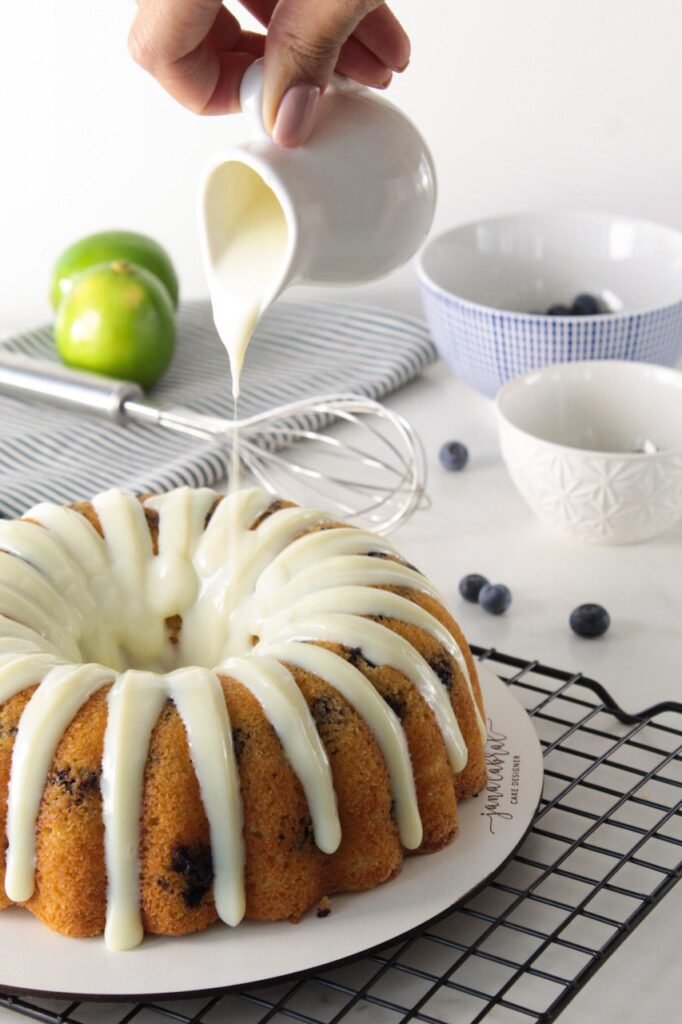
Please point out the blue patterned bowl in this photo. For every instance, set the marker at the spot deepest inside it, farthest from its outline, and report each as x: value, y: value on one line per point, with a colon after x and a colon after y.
x: 481, y: 282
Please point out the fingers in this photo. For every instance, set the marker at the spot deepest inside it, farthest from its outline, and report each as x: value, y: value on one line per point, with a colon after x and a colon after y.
x: 225, y: 96
x: 356, y: 62
x: 253, y: 43
x: 198, y: 52
x: 381, y: 33
x: 195, y: 49
x: 301, y: 51
x: 224, y: 31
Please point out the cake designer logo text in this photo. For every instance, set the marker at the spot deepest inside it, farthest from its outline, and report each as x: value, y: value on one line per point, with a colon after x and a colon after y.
x: 502, y: 791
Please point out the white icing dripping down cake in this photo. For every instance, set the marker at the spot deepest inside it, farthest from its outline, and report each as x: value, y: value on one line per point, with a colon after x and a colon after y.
x: 262, y: 592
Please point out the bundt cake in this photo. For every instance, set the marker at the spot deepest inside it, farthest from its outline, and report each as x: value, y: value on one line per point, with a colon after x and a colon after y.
x: 333, y: 721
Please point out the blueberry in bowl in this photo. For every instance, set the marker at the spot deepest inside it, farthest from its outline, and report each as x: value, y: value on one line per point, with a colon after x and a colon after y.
x: 586, y: 305
x: 583, y: 304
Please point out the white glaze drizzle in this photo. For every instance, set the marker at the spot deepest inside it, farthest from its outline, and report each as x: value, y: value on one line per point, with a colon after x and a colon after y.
x: 214, y: 626
x: 198, y: 697
x: 60, y: 696
x: 14, y: 603
x: 40, y: 548
x: 20, y: 669
x: 139, y: 632
x: 373, y: 601
x: 381, y: 646
x: 88, y: 556
x: 81, y: 597
x: 135, y: 702
x: 19, y: 579
x: 16, y: 636
x: 380, y: 718
x: 340, y: 571
x: 311, y: 548
x: 172, y: 583
x: 274, y: 688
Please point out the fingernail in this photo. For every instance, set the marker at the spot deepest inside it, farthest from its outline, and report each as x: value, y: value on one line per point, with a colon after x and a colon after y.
x: 402, y: 66
x: 296, y: 115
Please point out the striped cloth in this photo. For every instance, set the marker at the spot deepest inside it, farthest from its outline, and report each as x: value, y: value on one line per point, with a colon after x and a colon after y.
x: 298, y: 350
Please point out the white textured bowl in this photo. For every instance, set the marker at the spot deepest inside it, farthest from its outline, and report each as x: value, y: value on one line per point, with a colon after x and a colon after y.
x: 570, y: 436
x: 480, y: 282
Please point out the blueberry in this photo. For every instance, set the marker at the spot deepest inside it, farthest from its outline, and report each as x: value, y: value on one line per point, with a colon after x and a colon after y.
x: 453, y: 455
x: 559, y: 310
x: 495, y: 598
x: 589, y: 620
x: 470, y: 586
x: 585, y: 305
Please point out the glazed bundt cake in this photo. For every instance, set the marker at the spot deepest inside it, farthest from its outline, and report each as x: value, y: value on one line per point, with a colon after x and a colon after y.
x: 332, y: 723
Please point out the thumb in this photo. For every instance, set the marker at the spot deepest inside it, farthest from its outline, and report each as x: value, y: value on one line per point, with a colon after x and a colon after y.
x: 301, y: 51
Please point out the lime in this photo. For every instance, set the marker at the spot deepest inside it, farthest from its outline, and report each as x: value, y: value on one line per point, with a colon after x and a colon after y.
x: 112, y: 245
x: 117, y: 320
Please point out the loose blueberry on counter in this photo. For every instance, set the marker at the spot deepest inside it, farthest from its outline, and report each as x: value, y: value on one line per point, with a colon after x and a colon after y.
x: 495, y: 598
x: 470, y: 586
x: 453, y: 455
x: 589, y: 620
x: 585, y: 305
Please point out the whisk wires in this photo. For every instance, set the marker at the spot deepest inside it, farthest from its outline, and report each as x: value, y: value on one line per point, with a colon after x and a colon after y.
x: 371, y: 469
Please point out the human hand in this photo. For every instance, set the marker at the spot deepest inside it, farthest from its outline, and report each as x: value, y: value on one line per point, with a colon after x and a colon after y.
x: 198, y: 52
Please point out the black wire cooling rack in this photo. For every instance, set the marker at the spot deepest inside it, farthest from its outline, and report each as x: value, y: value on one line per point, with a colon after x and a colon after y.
x: 604, y: 849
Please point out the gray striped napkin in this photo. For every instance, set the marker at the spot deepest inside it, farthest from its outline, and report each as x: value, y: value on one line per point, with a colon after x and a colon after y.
x: 298, y: 350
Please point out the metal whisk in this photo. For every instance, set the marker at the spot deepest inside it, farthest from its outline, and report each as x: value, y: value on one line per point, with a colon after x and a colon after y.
x: 370, y: 467
x: 368, y: 464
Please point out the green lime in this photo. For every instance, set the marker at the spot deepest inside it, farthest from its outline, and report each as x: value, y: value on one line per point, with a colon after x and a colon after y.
x: 105, y: 247
x: 117, y: 320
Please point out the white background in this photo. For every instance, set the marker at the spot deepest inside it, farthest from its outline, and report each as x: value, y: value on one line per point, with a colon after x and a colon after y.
x: 525, y: 103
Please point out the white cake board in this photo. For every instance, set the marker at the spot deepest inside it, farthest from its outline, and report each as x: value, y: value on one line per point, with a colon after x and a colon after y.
x: 492, y: 825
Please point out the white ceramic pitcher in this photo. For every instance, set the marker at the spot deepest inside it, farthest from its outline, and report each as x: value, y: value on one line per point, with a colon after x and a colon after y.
x: 357, y: 200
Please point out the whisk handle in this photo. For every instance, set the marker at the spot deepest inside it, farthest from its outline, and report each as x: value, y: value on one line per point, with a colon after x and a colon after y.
x: 40, y: 380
